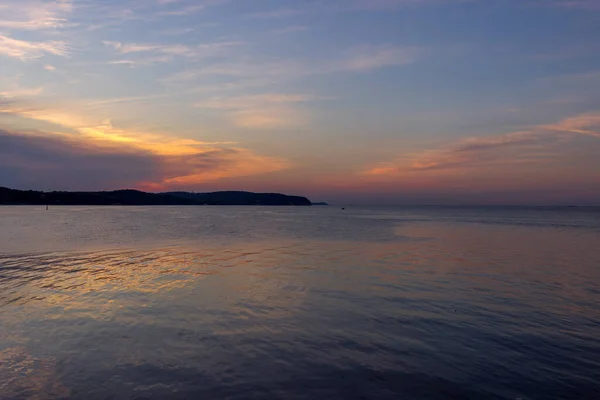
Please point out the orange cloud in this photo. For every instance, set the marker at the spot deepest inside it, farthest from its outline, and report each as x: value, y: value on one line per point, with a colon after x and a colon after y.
x: 507, y: 149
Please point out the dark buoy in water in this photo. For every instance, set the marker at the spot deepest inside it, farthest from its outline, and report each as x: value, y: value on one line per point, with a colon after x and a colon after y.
x: 343, y: 208
x: 46, y: 207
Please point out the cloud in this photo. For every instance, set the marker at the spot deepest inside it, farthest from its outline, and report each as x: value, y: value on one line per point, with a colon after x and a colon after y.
x: 166, y: 52
x: 239, y: 69
x: 188, y: 8
x: 527, y: 146
x: 334, y: 6
x: 254, y: 101
x: 489, y: 143
x: 585, y: 124
x: 184, y: 11
x: 290, y: 29
x: 100, y: 130
x: 360, y: 59
x: 121, y: 100
x: 280, y: 13
x: 380, y: 5
x: 267, y: 110
x: 142, y: 61
x: 366, y: 58
x: 25, y: 50
x: 586, y: 5
x: 275, y: 110
x: 175, y: 49
x: 53, y: 162
x: 35, y: 14
x: 480, y: 151
x: 161, y: 161
x: 21, y: 92
x: 269, y: 118
x: 99, y: 15
x: 191, y: 170
x: 177, y: 31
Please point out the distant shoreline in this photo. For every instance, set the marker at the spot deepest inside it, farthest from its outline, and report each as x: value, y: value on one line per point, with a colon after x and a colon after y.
x: 130, y: 197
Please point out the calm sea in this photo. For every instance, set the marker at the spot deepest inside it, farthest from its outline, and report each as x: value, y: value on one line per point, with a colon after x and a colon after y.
x: 299, y: 303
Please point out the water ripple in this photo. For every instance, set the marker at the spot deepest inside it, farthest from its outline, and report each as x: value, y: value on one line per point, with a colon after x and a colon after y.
x: 469, y: 313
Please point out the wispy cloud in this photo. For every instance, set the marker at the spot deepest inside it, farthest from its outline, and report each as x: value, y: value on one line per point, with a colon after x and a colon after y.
x: 26, y: 50
x: 478, y: 151
x: 190, y: 172
x: 121, y: 100
x: 185, y: 11
x: 334, y: 6
x: 533, y: 144
x: 34, y: 14
x: 182, y: 8
x: 166, y: 52
x: 586, y: 5
x: 21, y: 92
x: 357, y: 60
x: 382, y: 5
x: 290, y: 29
x: 568, y: 51
x: 263, y: 111
x: 366, y: 58
x: 175, y: 49
x: 254, y: 101
x: 280, y: 13
x: 178, y: 31
x: 241, y: 68
x: 585, y: 124
x: 143, y: 61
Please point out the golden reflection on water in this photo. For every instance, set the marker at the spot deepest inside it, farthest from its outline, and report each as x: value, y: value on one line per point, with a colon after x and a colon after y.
x: 57, y: 280
x: 98, y: 284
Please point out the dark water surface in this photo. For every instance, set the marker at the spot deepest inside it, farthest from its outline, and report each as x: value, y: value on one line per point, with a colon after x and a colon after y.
x: 299, y: 303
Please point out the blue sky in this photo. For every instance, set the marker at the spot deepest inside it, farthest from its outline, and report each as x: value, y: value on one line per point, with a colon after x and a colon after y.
x: 388, y: 101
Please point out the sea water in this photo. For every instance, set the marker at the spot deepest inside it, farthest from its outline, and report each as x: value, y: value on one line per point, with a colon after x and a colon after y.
x: 299, y: 303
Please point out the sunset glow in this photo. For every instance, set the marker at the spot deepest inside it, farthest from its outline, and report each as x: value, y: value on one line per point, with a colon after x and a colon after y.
x: 367, y: 101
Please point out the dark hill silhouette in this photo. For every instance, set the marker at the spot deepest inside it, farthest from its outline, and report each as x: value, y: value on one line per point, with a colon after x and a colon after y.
x: 241, y: 198
x: 138, y: 198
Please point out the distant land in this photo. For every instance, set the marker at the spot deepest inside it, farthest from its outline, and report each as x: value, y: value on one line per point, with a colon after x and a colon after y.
x: 139, y: 198
x: 320, y: 203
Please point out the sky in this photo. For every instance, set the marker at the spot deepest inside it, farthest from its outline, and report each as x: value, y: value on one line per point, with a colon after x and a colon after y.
x: 346, y: 101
